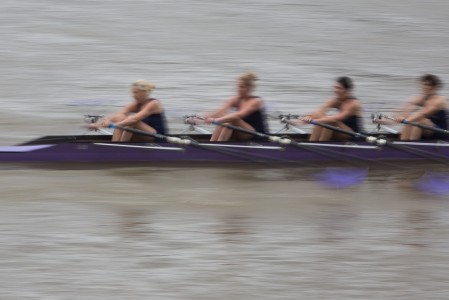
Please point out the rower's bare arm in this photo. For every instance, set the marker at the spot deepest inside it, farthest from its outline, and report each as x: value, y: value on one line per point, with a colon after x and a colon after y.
x: 408, y: 107
x: 124, y: 111
x: 128, y: 109
x: 318, y: 114
x: 323, y: 109
x: 347, y: 111
x: 429, y: 109
x: 106, y: 121
x: 149, y: 109
x: 253, y: 106
x: 399, y: 114
x: 223, y: 109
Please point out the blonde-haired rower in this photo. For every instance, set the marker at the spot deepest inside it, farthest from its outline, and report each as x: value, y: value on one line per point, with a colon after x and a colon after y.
x: 144, y: 113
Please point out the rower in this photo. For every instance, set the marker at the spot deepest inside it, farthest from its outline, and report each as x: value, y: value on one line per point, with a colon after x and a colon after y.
x: 144, y: 113
x: 249, y: 114
x: 428, y: 109
x: 348, y: 116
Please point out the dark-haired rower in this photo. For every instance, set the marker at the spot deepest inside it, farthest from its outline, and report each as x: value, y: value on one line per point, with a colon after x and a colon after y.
x: 429, y: 109
x: 348, y: 116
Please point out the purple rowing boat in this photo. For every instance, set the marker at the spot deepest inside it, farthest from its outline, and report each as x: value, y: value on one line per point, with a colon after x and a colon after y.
x: 99, y: 149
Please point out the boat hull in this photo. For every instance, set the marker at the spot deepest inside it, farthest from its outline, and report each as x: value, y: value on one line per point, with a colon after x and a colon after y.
x: 100, y: 150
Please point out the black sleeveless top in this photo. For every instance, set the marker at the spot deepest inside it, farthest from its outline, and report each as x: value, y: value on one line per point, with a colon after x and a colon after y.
x: 257, y: 119
x: 156, y: 121
x: 438, y: 118
x: 354, y: 121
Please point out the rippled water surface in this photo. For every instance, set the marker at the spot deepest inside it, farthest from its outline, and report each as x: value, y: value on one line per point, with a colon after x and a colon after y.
x: 213, y: 233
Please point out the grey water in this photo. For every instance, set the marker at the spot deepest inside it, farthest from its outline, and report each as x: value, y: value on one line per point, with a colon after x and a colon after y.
x: 216, y: 233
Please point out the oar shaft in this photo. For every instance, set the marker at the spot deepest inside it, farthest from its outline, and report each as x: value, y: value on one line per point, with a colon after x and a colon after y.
x: 368, y: 138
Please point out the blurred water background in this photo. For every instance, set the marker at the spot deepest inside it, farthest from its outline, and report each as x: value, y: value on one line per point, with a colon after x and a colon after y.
x: 174, y: 233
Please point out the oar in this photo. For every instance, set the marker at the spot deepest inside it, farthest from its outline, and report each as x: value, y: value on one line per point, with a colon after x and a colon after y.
x: 257, y: 158
x: 427, y: 185
x: 422, y: 126
x: 332, y: 177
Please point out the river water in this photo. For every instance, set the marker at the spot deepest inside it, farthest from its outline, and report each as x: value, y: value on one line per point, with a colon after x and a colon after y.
x: 213, y: 233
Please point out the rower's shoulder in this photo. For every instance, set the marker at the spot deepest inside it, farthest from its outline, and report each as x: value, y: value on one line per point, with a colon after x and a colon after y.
x: 152, y: 106
x: 355, y: 104
x: 332, y: 102
x: 438, y: 99
x: 152, y: 103
x: 256, y: 99
x: 256, y: 102
x: 441, y: 102
x: 233, y: 100
x: 420, y: 100
x: 132, y: 106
